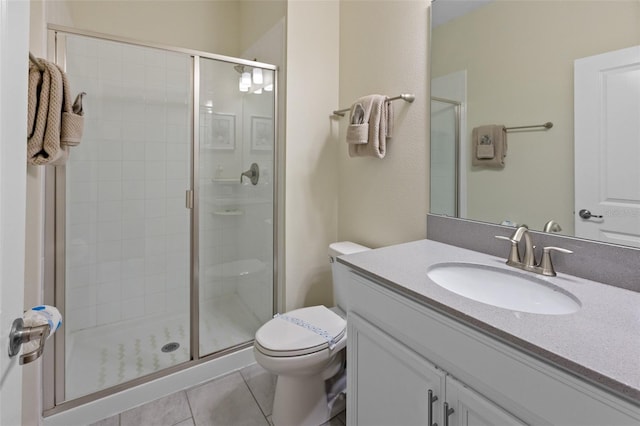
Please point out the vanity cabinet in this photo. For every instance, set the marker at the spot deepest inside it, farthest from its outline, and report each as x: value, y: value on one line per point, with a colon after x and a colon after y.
x: 398, y: 349
x: 396, y: 386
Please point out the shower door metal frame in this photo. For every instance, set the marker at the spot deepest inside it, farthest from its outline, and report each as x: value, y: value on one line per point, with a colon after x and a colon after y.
x: 457, y: 118
x: 54, y: 233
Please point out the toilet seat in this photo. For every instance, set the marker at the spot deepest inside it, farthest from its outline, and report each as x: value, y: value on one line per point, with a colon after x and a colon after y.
x: 291, y: 335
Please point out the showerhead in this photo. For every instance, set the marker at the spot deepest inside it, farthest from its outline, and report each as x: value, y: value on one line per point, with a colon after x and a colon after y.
x: 239, y: 68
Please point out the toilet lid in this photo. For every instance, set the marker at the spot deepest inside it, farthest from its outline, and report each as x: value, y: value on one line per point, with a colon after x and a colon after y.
x: 300, y: 332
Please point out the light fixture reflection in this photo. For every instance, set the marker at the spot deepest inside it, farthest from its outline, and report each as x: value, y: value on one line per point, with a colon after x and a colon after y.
x: 257, y: 76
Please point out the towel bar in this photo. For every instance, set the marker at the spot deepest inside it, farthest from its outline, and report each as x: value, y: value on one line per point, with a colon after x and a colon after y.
x: 546, y: 125
x: 407, y: 97
x: 36, y: 62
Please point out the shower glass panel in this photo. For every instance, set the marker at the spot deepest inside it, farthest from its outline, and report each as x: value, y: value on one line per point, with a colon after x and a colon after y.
x: 444, y: 157
x: 236, y: 130
x: 127, y: 272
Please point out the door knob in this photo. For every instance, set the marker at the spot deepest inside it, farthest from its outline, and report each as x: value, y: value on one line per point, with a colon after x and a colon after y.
x: 21, y: 334
x: 586, y: 214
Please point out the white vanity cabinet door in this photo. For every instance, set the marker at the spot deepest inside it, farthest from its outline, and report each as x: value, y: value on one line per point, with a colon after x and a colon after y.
x: 388, y: 383
x: 472, y: 409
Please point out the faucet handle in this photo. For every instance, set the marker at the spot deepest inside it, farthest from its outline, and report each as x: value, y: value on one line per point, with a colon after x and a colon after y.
x: 514, y: 253
x: 546, y: 265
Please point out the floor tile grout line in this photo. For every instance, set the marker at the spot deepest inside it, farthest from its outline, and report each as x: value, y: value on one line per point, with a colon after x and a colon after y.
x: 186, y: 394
x: 253, y: 396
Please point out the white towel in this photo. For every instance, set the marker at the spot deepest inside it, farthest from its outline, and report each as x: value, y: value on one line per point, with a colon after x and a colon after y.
x: 371, y: 124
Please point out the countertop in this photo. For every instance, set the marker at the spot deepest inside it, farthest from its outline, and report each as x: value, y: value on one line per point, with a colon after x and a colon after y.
x: 600, y: 342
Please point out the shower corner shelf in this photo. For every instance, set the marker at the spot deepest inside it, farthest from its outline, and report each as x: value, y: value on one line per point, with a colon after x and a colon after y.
x: 228, y: 212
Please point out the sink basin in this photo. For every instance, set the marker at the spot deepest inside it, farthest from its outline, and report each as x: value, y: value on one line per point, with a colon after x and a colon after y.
x: 503, y: 288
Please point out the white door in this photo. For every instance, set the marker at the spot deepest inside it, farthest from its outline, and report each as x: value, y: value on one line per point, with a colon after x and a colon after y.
x: 14, y: 33
x: 607, y: 146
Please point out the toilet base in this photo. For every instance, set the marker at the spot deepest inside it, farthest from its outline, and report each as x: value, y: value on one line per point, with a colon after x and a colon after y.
x: 300, y: 401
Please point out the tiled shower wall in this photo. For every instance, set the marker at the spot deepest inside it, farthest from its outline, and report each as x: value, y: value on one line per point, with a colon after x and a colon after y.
x: 127, y: 233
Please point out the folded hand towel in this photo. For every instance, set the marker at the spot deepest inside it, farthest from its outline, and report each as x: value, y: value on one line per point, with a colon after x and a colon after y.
x: 376, y: 123
x: 489, y: 146
x: 53, y: 125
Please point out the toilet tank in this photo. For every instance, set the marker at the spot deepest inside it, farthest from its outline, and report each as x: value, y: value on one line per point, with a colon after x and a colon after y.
x: 335, y: 250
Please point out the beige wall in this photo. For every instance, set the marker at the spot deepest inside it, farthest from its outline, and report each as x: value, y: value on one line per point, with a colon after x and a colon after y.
x: 519, y: 60
x: 383, y: 49
x: 310, y: 165
x: 211, y: 26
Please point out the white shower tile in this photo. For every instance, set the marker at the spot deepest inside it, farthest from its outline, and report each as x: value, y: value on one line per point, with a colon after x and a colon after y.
x: 155, y: 76
x: 133, y: 228
x: 178, y: 152
x: 133, y: 288
x: 178, y: 300
x: 176, y: 206
x: 81, y: 296
x: 155, y: 58
x: 154, y: 208
x: 80, y: 276
x: 177, y: 134
x: 80, y: 318
x: 82, y: 213
x: 155, y: 189
x: 109, y: 231
x: 132, y: 268
x: 133, y: 129
x: 109, y: 292
x: 133, y: 54
x: 133, y: 170
x: 155, y: 112
x: 110, y: 130
x: 155, y: 284
x: 178, y: 278
x: 154, y: 265
x: 133, y: 74
x: 133, y: 308
x: 177, y: 243
x: 155, y: 170
x: 109, y: 251
x: 109, y: 170
x: 177, y: 114
x: 81, y: 234
x: 155, y: 227
x: 110, y: 150
x: 108, y: 313
x: 133, y: 151
x: 176, y: 187
x: 110, y: 51
x: 154, y: 152
x: 155, y: 246
x: 82, y: 171
x: 82, y: 192
x: 177, y: 170
x: 132, y: 209
x: 109, y: 190
x: 108, y: 271
x: 154, y: 303
x: 155, y: 131
x: 133, y: 247
x: 109, y: 211
x: 177, y: 224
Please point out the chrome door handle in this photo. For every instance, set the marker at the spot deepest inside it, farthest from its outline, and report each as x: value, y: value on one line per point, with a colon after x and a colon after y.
x: 432, y: 399
x: 20, y: 334
x: 447, y: 412
x: 586, y: 214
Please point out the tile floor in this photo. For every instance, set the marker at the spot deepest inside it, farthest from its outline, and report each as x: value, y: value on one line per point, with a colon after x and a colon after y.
x: 242, y: 398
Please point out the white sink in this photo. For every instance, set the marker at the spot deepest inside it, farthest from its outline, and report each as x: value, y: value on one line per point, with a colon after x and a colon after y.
x: 503, y: 288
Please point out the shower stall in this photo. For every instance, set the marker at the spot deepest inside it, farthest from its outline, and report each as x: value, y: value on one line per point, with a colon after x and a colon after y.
x: 160, y: 228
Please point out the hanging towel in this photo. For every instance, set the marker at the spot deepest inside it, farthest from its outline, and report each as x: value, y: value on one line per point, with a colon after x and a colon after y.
x: 370, y: 126
x: 54, y: 123
x: 489, y: 146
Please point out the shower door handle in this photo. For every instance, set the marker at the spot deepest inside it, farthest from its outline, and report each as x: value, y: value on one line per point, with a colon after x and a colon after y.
x: 253, y: 174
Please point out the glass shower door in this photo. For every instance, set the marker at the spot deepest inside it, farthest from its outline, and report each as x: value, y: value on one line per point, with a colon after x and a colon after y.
x: 127, y: 266
x: 445, y: 135
x: 236, y: 136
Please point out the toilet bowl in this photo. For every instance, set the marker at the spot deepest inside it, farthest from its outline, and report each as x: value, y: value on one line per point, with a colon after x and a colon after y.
x: 305, y: 348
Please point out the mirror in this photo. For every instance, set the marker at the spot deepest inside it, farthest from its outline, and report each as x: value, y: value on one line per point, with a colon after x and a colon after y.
x: 511, y: 63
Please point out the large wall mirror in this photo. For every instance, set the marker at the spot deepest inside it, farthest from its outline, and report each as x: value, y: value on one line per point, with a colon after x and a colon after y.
x: 514, y: 63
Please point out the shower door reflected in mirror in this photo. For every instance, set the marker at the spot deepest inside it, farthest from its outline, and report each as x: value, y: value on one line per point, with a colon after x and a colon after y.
x: 127, y: 272
x: 236, y: 130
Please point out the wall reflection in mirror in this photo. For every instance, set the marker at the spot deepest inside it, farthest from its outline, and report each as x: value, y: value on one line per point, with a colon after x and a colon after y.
x: 527, y: 62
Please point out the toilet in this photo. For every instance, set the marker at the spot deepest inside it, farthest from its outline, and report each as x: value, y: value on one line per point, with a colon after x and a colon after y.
x: 305, y: 348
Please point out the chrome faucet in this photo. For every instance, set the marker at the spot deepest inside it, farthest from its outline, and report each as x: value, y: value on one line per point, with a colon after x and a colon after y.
x: 552, y: 226
x: 528, y: 263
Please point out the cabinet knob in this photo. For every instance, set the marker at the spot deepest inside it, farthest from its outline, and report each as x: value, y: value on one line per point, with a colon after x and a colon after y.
x: 432, y: 399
